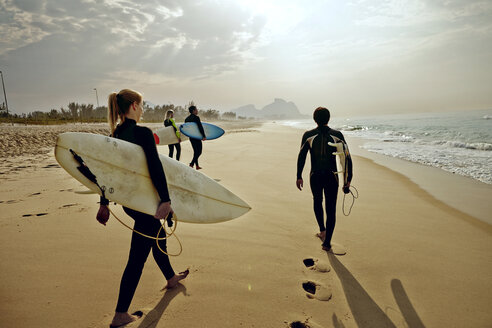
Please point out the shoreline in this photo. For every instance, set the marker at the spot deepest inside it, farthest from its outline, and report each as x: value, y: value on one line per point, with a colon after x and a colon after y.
x: 434, y: 181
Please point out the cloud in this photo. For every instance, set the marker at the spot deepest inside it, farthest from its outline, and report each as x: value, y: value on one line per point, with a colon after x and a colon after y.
x: 64, y: 42
x: 177, y: 38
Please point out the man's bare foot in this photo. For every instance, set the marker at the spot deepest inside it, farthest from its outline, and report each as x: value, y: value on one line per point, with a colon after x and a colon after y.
x: 334, y: 249
x: 321, y: 235
x: 123, y: 318
x: 173, y: 282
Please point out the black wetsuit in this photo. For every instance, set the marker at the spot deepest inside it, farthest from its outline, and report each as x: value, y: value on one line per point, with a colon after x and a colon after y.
x: 196, y: 143
x: 172, y: 146
x: 147, y: 224
x: 323, y: 178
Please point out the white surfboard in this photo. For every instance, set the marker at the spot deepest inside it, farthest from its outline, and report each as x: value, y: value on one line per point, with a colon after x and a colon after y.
x: 167, y: 136
x: 341, y: 153
x: 121, y: 170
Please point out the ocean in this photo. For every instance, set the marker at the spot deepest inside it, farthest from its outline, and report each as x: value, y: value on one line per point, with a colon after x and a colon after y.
x: 458, y: 142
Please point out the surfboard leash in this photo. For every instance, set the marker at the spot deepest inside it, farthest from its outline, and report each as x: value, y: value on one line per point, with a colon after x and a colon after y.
x: 84, y: 169
x: 86, y: 172
x: 354, y: 197
x: 156, y: 238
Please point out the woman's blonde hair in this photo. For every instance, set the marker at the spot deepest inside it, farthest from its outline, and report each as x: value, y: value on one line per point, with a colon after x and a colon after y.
x: 168, y: 113
x: 119, y: 104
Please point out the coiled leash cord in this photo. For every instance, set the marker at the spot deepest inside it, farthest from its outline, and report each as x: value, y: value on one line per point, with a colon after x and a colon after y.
x: 156, y: 238
x: 354, y: 197
x: 84, y: 169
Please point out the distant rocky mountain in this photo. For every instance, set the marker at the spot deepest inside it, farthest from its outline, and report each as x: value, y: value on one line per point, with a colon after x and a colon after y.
x: 247, y: 111
x: 278, y: 110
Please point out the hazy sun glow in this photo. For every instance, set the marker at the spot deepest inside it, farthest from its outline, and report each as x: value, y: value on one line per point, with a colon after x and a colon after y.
x: 357, y: 55
x: 281, y: 16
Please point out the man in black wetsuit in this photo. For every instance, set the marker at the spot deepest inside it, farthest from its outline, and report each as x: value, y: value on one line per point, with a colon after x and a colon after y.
x: 323, y: 176
x: 195, y: 143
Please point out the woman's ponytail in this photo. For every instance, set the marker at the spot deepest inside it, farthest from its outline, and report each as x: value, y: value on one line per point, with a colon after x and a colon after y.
x: 113, y: 111
x: 119, y: 104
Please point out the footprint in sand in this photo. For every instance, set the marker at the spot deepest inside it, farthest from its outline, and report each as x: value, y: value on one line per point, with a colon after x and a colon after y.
x: 316, y: 290
x: 69, y: 205
x: 303, y: 324
x: 51, y: 165
x: 38, y: 214
x: 298, y: 324
x: 315, y: 264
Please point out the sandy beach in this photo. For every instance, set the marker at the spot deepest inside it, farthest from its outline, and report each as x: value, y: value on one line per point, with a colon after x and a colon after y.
x: 412, y: 260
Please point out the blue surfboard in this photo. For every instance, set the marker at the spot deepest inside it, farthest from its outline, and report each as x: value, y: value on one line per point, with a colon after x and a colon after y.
x: 191, y: 130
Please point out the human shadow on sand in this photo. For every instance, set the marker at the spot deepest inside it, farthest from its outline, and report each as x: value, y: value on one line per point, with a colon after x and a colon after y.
x: 364, y: 309
x: 406, y: 307
x: 337, y: 323
x: 151, y: 319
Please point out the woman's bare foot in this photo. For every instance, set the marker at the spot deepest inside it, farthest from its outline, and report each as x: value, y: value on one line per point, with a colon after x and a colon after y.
x: 173, y: 282
x: 123, y: 318
x: 321, y: 235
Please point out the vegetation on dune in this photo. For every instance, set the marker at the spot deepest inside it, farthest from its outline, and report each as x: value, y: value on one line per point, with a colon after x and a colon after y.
x: 87, y: 113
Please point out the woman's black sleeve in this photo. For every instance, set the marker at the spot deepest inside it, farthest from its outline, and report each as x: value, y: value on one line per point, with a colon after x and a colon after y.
x: 145, y: 139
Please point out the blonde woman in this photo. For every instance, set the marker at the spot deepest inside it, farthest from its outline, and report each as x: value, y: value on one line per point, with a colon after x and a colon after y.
x: 124, y: 111
x: 169, y: 121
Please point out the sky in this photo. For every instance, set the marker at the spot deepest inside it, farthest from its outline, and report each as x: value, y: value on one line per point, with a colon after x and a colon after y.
x: 355, y: 57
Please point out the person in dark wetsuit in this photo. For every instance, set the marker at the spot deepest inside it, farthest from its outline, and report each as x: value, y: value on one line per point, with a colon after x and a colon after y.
x: 169, y: 121
x: 323, y: 176
x: 127, y: 107
x: 196, y: 143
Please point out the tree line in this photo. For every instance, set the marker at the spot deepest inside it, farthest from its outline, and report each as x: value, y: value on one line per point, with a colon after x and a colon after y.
x: 87, y: 113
